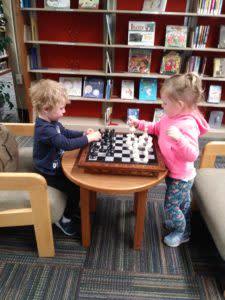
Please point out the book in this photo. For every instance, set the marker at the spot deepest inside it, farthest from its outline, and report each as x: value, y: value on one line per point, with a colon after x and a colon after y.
x: 176, y: 36
x: 108, y: 116
x: 34, y: 30
x: 215, y: 92
x: 219, y: 67
x: 133, y: 112
x: 139, y: 61
x: 141, y: 33
x: 148, y: 89
x: 154, y: 5
x: 222, y: 37
x: 93, y: 4
x: 158, y: 114
x: 171, y: 63
x: 57, y: 3
x: 33, y: 58
x: 127, y: 89
x: 108, y: 62
x: 215, y: 118
x: 93, y: 87
x: 73, y: 85
x: 109, y: 29
x: 108, y: 89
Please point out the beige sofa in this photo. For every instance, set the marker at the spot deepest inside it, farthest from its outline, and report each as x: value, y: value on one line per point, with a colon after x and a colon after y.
x: 25, y: 198
x: 209, y: 193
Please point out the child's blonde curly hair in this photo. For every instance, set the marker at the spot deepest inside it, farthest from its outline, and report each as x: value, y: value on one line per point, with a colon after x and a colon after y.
x: 184, y: 87
x: 49, y: 93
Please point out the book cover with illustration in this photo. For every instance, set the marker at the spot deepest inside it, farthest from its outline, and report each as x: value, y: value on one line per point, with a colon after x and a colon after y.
x: 154, y: 5
x: 133, y: 112
x: 215, y: 92
x: 222, y: 37
x: 93, y: 4
x: 158, y: 114
x: 73, y: 85
x: 139, y: 61
x: 93, y: 87
x: 141, y: 33
x: 171, y: 63
x: 176, y: 36
x: 219, y: 67
x: 57, y: 4
x: 148, y: 89
x: 127, y: 89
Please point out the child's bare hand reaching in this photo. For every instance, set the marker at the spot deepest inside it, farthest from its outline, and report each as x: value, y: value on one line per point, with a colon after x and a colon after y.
x: 88, y: 131
x: 94, y: 136
x: 174, y: 133
x: 132, y: 121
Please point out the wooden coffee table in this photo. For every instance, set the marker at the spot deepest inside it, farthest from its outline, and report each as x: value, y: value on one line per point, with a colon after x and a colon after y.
x: 114, y: 184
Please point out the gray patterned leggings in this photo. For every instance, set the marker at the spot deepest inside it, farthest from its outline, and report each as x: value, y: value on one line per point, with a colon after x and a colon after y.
x: 178, y: 204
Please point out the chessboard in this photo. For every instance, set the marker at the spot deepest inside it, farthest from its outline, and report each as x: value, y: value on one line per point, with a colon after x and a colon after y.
x: 114, y: 154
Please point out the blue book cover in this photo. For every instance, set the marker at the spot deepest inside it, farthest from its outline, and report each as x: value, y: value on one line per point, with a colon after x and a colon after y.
x: 133, y: 112
x: 148, y: 89
x: 93, y: 88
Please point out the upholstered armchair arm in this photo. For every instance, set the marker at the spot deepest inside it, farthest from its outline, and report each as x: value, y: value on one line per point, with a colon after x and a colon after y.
x: 210, y: 151
x: 38, y: 214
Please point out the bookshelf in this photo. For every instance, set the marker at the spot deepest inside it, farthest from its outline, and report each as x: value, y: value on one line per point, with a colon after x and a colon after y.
x: 73, y: 42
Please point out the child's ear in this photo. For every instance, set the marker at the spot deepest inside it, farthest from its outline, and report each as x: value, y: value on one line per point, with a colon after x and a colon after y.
x: 45, y: 109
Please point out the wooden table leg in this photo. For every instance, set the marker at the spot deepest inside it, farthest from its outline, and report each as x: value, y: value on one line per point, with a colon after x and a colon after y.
x: 93, y: 201
x: 85, y: 217
x: 141, y: 200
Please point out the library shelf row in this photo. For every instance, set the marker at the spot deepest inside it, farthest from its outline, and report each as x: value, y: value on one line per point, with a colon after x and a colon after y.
x: 62, y: 71
x: 101, y: 45
x: 117, y: 11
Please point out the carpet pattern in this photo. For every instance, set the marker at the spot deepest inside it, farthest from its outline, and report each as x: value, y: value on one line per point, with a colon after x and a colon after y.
x: 110, y: 268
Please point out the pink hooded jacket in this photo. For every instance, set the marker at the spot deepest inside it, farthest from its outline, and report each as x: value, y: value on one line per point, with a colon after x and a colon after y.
x: 179, y: 156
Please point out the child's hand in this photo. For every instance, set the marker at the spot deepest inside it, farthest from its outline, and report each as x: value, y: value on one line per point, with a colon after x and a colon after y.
x: 88, y: 131
x: 174, y: 133
x: 94, y: 136
x: 132, y: 121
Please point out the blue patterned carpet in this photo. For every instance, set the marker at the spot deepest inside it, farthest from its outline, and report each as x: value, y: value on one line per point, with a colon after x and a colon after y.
x: 110, y: 268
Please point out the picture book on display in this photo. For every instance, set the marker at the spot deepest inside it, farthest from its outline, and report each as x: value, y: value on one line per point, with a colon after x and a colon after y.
x: 171, y: 63
x: 108, y: 116
x: 141, y: 33
x: 215, y: 92
x: 93, y: 4
x: 154, y: 5
x: 222, y: 37
x: 148, y: 89
x: 133, y: 112
x: 215, y: 118
x: 127, y: 89
x: 93, y: 88
x: 57, y: 3
x: 219, y: 67
x: 176, y: 36
x: 73, y: 85
x: 158, y: 114
x: 139, y: 61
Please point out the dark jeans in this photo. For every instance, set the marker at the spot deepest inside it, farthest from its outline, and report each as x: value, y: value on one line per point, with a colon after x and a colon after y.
x: 62, y: 183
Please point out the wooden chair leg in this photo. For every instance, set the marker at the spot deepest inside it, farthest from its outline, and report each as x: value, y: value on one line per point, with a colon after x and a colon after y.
x: 42, y: 225
x: 93, y: 201
x: 141, y: 200
x: 85, y: 217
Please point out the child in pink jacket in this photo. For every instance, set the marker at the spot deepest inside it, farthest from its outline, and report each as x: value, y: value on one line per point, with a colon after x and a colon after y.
x: 178, y: 133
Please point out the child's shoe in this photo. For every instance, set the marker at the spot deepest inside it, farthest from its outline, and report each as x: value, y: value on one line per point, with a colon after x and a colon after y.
x: 175, y: 238
x: 68, y: 228
x: 168, y: 224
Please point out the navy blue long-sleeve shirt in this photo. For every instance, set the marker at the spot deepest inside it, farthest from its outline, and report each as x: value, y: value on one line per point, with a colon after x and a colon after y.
x: 51, y: 139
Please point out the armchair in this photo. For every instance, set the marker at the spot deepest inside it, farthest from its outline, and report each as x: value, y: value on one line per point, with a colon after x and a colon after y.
x: 25, y: 198
x: 209, y: 193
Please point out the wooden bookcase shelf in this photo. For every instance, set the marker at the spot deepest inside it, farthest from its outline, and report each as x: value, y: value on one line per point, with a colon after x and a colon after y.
x: 73, y: 42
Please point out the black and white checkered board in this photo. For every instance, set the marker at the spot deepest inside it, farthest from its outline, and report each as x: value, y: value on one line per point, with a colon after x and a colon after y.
x: 120, y: 152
